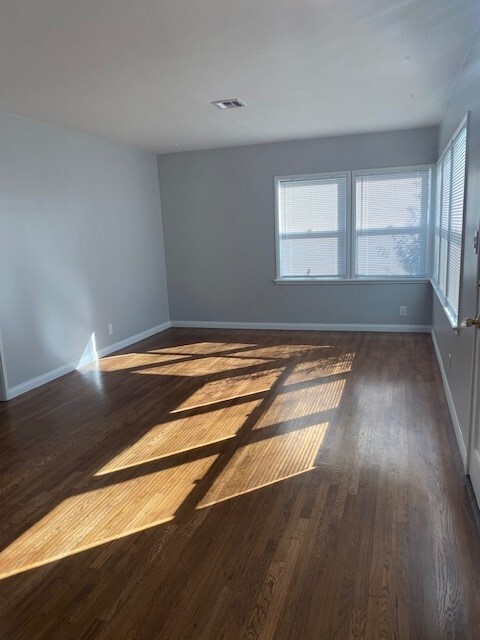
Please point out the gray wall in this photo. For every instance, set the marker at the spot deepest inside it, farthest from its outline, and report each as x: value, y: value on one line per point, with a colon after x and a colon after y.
x: 81, y: 245
x: 218, y: 216
x: 465, y: 97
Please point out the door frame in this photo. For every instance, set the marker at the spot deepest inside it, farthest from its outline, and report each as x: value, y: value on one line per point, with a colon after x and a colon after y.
x: 3, y: 374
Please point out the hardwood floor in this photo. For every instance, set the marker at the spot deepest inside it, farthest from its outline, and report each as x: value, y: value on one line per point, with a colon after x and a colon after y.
x: 239, y: 485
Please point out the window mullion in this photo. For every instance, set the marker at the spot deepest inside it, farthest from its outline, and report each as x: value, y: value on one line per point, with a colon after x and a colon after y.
x: 439, y: 208
x: 349, y: 230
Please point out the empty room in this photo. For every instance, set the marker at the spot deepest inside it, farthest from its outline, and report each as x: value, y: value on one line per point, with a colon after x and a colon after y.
x: 239, y: 320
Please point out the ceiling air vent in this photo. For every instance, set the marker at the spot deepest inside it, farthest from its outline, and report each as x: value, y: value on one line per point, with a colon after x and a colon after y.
x: 231, y: 103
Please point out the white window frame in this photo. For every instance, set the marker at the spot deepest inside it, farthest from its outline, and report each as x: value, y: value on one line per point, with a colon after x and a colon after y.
x: 313, y: 176
x: 390, y: 170
x: 454, y: 322
x: 350, y: 227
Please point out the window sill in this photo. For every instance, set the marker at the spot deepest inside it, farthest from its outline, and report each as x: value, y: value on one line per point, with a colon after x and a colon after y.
x: 453, y: 323
x: 351, y: 281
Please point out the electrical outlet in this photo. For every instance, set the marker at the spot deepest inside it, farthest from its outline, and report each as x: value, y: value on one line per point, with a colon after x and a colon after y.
x: 403, y: 311
x: 110, y: 329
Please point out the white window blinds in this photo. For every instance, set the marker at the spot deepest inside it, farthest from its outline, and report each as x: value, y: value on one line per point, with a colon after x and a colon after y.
x: 312, y: 227
x: 391, y: 224
x: 449, y: 215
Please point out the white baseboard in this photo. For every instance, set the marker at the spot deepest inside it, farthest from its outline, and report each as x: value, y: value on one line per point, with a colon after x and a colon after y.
x: 33, y: 383
x: 302, y: 326
x: 451, y: 405
x: 137, y: 338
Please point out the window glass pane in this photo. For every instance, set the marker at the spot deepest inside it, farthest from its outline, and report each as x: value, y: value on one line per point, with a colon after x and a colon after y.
x: 445, y: 221
x: 312, y: 221
x: 311, y: 257
x: 453, y: 276
x: 449, y: 215
x: 438, y: 208
x: 311, y: 205
x: 391, y: 224
x: 456, y: 222
x: 391, y: 255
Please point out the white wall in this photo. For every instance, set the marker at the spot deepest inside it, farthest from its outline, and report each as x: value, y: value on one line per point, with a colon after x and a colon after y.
x: 81, y: 245
x: 219, y: 220
x: 465, y: 97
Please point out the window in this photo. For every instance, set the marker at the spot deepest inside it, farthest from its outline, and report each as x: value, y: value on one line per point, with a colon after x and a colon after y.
x: 449, y: 215
x: 383, y: 235
x: 312, y: 226
x: 391, y: 224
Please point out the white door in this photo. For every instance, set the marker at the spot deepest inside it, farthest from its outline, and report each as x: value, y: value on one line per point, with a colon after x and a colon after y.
x: 474, y: 471
x: 473, y: 463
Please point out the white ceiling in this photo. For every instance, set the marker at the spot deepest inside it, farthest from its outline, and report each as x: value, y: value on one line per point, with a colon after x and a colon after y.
x: 145, y: 71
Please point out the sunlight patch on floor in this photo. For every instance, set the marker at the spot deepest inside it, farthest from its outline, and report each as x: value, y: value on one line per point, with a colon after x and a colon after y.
x: 283, y: 443
x: 90, y: 519
x: 230, y: 389
x: 302, y: 404
x: 262, y: 463
x: 184, y: 434
x: 203, y: 348
x: 133, y: 360
x: 203, y: 366
x: 284, y: 351
x: 322, y: 368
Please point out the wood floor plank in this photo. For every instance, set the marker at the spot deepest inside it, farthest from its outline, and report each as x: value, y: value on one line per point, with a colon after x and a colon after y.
x: 209, y: 484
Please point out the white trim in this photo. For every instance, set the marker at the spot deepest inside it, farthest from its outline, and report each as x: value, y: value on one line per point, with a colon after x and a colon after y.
x: 3, y: 373
x: 453, y: 322
x: 431, y: 222
x: 474, y: 474
x: 303, y: 326
x: 402, y: 169
x: 451, y: 405
x: 33, y: 383
x: 133, y: 339
x: 276, y: 214
x: 347, y: 281
x: 324, y: 175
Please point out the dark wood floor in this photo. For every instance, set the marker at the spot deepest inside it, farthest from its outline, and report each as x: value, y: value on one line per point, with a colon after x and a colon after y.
x: 227, y: 485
